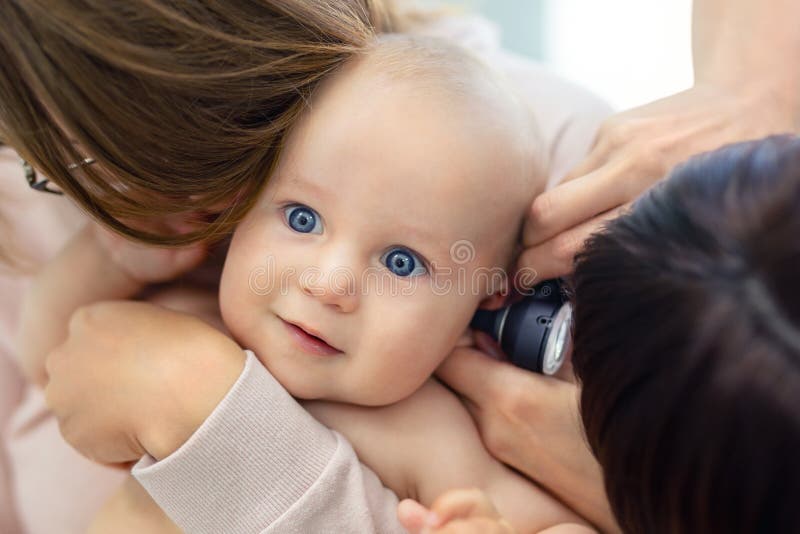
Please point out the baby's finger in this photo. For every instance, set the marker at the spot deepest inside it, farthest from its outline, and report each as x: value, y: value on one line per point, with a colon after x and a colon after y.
x: 576, y: 201
x: 478, y: 525
x: 462, y: 504
x: 413, y: 516
x: 554, y: 257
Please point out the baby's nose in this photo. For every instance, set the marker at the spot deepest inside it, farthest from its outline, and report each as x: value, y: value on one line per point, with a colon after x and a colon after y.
x: 334, y: 287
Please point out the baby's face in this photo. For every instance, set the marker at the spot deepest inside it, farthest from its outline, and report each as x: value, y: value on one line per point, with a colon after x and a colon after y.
x: 368, y: 252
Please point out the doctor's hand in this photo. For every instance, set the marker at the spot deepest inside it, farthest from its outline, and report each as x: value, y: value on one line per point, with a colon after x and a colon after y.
x: 134, y: 378
x: 532, y: 423
x: 634, y: 150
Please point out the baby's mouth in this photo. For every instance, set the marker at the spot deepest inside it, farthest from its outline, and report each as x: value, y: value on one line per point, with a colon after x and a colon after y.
x: 310, y: 341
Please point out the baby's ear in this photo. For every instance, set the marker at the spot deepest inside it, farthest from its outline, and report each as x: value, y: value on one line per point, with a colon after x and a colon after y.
x: 466, y: 339
x: 494, y: 301
x: 499, y: 295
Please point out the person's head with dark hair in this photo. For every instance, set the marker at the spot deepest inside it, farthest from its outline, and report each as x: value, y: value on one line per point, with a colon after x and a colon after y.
x: 687, y: 346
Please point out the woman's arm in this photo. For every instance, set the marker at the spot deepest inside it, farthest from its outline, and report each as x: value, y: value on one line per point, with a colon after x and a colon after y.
x: 747, y: 85
x: 751, y: 47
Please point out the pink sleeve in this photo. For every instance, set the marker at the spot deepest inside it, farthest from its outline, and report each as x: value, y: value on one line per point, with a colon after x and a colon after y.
x: 261, y: 463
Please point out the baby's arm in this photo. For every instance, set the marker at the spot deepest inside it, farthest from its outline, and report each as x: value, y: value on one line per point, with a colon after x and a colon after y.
x: 132, y: 511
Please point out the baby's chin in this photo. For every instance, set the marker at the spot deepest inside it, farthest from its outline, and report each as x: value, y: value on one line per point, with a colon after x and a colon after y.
x: 358, y: 398
x: 357, y: 394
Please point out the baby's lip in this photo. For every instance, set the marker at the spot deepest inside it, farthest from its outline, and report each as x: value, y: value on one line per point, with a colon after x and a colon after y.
x: 312, y: 332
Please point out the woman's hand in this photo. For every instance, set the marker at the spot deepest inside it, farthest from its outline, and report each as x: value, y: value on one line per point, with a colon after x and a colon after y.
x: 634, y: 150
x: 532, y: 423
x: 134, y: 378
x: 460, y: 511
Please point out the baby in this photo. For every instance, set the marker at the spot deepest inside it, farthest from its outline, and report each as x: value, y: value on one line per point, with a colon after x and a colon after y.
x: 396, y: 203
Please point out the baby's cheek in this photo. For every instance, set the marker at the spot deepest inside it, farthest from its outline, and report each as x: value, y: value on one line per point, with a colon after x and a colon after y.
x: 415, y: 360
x: 235, y: 307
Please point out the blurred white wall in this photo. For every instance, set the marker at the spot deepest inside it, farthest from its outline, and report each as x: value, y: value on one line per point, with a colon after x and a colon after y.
x: 628, y: 51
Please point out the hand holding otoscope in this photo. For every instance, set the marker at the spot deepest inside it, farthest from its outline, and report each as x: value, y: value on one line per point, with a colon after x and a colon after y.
x: 535, y: 332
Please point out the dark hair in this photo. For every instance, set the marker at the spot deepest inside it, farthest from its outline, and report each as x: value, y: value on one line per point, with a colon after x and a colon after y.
x: 687, y: 345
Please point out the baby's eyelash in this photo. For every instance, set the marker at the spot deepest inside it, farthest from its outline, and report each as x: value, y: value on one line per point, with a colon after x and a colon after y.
x: 425, y: 262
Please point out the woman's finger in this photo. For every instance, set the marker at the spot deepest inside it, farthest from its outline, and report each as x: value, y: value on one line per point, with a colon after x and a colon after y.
x: 578, y: 200
x: 475, y: 375
x: 597, y: 158
x: 555, y: 256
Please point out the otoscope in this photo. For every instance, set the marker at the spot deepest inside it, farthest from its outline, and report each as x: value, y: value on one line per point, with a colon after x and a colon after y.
x: 535, y: 333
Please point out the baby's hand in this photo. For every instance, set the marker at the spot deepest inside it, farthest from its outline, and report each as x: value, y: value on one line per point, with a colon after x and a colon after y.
x: 148, y: 264
x: 459, y: 511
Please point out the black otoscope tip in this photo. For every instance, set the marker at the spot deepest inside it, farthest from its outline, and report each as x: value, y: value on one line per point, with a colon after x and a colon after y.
x: 487, y: 321
x: 522, y: 329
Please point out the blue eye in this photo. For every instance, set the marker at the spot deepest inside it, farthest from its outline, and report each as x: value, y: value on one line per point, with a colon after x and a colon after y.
x: 403, y: 262
x: 303, y: 219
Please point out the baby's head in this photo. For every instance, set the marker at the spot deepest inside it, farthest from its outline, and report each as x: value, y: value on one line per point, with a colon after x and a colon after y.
x: 391, y: 216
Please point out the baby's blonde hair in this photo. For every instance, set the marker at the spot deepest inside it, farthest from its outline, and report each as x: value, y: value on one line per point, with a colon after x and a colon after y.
x: 431, y: 64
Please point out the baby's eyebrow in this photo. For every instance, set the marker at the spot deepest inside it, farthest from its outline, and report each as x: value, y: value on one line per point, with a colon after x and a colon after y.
x: 298, y: 180
x: 419, y: 235
x: 316, y: 189
x: 419, y: 238
x: 424, y: 242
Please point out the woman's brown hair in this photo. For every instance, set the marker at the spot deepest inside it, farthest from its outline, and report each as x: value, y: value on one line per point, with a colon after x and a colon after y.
x: 183, y: 104
x: 687, y: 346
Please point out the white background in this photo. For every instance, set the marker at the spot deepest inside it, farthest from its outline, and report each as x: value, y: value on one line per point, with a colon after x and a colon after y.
x: 628, y: 51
